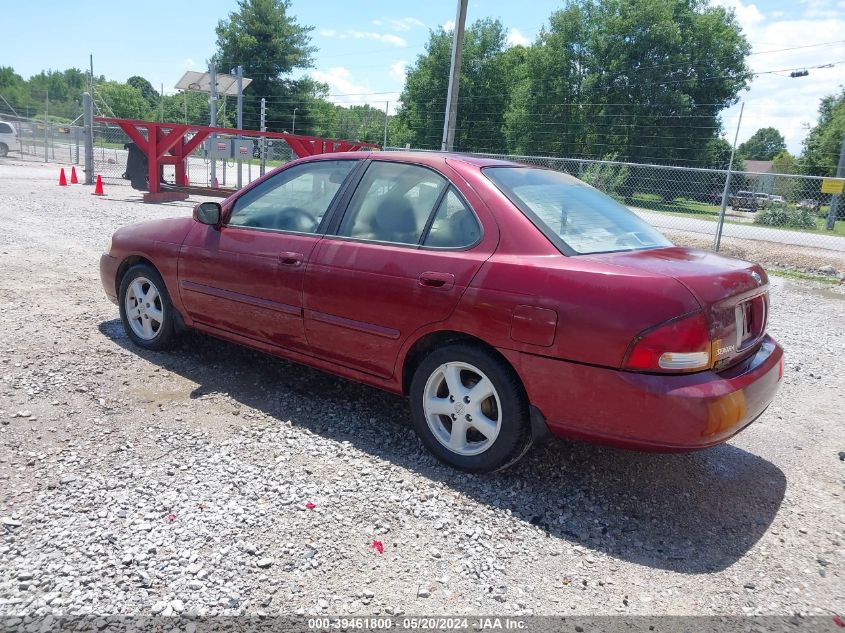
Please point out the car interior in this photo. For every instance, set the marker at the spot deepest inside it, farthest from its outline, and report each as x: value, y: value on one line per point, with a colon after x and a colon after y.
x: 392, y: 203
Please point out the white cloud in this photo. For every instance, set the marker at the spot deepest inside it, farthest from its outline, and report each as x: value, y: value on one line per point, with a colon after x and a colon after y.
x: 340, y: 81
x: 397, y: 70
x: 790, y: 105
x: 387, y: 38
x: 449, y: 25
x: 189, y: 63
x: 819, y: 9
x: 399, y: 24
x: 747, y: 15
x: 345, y: 90
x: 516, y: 38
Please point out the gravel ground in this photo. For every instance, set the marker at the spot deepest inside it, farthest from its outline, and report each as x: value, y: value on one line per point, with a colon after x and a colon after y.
x: 216, y: 480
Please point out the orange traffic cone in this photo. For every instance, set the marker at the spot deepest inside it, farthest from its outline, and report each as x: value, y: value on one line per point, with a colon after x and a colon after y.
x: 62, y: 179
x: 73, y: 179
x: 215, y: 184
x: 98, y: 189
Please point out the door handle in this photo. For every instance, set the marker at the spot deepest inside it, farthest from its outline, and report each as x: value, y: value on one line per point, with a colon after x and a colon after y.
x: 437, y: 280
x: 290, y: 259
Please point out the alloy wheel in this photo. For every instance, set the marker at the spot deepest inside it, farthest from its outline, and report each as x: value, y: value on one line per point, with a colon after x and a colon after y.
x: 144, y: 308
x: 462, y: 408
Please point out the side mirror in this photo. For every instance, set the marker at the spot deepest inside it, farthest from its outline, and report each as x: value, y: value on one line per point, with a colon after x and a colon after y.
x: 208, y: 213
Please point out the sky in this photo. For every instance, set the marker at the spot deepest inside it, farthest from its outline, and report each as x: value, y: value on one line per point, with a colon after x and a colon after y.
x: 364, y: 46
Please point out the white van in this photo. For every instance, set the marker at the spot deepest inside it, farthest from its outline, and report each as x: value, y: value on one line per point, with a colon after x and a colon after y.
x: 8, y: 138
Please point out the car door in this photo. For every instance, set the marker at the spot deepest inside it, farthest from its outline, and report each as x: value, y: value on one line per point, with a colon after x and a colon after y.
x: 245, y: 277
x: 399, y: 259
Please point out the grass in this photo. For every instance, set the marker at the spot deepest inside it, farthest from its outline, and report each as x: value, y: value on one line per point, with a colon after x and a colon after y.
x: 821, y: 227
x: 797, y: 274
x: 686, y: 208
x: 681, y: 206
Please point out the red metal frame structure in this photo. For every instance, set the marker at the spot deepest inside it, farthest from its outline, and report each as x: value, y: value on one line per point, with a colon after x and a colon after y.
x: 165, y: 144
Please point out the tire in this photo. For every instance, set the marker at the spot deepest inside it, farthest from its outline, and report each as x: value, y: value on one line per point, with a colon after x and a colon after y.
x: 137, y: 282
x: 503, y: 415
x: 4, y: 150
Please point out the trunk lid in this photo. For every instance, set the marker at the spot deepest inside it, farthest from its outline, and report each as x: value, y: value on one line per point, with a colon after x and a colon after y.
x: 734, y: 294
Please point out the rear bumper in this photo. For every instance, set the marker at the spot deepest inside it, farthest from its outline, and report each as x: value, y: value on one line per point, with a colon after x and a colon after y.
x: 646, y: 411
x: 108, y: 275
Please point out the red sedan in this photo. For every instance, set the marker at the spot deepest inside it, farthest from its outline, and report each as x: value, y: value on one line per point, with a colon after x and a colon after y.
x: 507, y: 301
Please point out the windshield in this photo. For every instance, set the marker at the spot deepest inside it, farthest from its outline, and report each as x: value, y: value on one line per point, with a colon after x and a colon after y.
x: 573, y: 215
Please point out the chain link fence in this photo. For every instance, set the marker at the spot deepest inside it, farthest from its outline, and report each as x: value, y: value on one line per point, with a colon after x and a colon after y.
x: 686, y: 201
x: 46, y: 141
x: 64, y: 144
x: 683, y: 202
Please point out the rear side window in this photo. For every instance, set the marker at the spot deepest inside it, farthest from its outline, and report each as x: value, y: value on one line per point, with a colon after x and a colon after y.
x: 574, y: 216
x: 392, y: 203
x: 454, y: 225
x: 5, y: 128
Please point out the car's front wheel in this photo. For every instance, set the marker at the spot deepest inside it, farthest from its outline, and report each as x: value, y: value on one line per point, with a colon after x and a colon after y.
x: 470, y: 409
x: 145, y: 308
x: 4, y: 150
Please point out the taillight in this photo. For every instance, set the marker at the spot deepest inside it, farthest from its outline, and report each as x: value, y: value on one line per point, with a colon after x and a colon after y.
x: 679, y: 345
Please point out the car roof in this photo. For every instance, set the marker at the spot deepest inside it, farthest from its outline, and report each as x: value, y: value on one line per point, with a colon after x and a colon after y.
x: 426, y: 158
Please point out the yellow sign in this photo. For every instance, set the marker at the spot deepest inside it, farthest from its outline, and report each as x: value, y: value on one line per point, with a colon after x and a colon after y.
x: 833, y: 185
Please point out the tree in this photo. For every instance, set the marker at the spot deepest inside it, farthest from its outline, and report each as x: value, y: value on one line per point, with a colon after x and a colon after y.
x: 717, y: 154
x: 789, y: 188
x: 270, y: 44
x: 823, y: 142
x: 147, y: 91
x: 13, y: 88
x: 645, y: 79
x: 125, y: 101
x: 190, y: 107
x: 486, y: 70
x: 764, y: 144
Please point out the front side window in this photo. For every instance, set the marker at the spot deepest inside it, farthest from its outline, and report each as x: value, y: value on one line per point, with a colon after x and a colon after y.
x: 572, y: 214
x: 5, y: 128
x: 293, y: 200
x: 392, y: 203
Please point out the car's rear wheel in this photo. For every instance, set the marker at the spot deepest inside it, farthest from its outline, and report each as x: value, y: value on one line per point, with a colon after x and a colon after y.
x: 145, y: 308
x: 470, y: 409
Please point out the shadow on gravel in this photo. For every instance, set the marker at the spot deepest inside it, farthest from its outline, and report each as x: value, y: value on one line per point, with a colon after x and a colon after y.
x: 694, y: 513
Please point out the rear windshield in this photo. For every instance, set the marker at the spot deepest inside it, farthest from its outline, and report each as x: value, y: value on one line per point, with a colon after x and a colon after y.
x: 577, y: 218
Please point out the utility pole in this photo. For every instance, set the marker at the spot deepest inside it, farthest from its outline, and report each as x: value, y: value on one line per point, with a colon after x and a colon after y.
x: 718, y: 240
x: 293, y: 125
x: 212, y: 103
x: 454, y: 79
x: 263, y: 138
x: 46, y: 121
x: 834, y: 199
x: 161, y: 104
x: 88, y: 109
x: 91, y: 77
x: 386, y: 108
x: 240, y: 74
